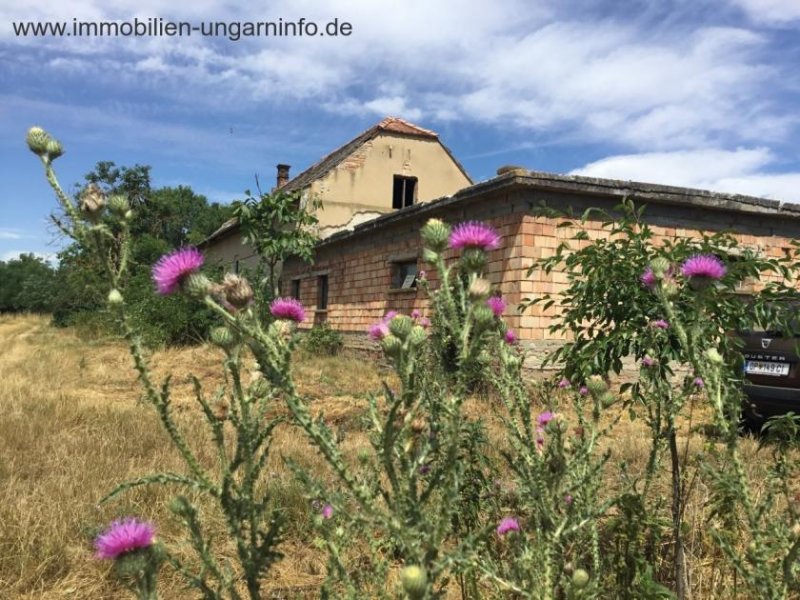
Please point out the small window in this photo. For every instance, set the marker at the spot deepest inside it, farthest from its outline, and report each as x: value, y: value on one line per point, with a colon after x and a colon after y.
x: 236, y: 265
x: 404, y: 192
x: 404, y: 275
x: 322, y: 292
x: 296, y: 289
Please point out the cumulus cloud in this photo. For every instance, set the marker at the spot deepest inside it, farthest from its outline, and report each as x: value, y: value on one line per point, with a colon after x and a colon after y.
x: 541, y: 71
x: 657, y: 91
x: 739, y: 171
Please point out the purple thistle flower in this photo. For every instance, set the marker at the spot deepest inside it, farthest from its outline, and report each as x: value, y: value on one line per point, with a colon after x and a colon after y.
x: 648, y: 361
x: 510, y: 337
x: 568, y: 500
x: 707, y: 266
x: 415, y: 314
x: 564, y: 383
x: 659, y: 324
x: 583, y: 391
x: 544, y: 418
x: 287, y: 308
x: 648, y: 278
x: 389, y: 316
x: 123, y: 537
x: 425, y: 322
x: 507, y: 525
x: 327, y: 511
x: 497, y: 304
x: 424, y: 469
x: 173, y: 268
x: 473, y: 234
x: 699, y: 383
x: 378, y: 331
x: 421, y: 276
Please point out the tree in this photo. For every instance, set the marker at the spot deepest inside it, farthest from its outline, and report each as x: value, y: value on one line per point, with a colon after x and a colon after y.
x: 27, y: 284
x: 132, y: 182
x: 162, y: 220
x: 278, y: 225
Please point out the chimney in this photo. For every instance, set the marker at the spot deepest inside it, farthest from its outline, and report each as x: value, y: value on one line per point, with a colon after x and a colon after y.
x: 283, y: 175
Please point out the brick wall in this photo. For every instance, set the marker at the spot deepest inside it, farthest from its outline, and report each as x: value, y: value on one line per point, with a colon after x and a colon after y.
x: 359, y: 265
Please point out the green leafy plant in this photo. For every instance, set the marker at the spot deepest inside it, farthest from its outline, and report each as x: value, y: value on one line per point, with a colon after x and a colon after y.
x: 321, y: 340
x: 277, y: 226
x: 671, y: 307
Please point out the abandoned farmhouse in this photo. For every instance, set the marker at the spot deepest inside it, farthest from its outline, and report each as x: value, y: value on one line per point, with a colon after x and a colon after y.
x: 379, y: 189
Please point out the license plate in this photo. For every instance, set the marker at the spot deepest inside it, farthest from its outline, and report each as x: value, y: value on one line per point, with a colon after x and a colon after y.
x: 760, y: 367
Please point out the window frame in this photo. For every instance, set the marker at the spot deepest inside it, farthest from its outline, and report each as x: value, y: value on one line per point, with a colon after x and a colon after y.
x: 323, y: 291
x: 401, y: 202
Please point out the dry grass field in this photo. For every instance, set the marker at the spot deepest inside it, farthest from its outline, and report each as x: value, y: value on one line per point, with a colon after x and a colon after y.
x: 72, y: 427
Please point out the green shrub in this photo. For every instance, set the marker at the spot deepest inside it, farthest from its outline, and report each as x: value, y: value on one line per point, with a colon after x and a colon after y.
x: 324, y: 341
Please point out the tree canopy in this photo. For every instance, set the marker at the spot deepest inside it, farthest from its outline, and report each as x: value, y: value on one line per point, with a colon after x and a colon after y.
x: 163, y: 219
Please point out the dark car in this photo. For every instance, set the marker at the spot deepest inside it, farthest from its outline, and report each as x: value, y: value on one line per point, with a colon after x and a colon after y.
x: 772, y: 374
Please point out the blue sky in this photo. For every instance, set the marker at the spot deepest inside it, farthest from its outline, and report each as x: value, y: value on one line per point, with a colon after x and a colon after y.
x: 700, y: 93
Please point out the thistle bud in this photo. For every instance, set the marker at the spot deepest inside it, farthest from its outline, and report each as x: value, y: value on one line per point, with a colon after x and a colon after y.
x: 429, y: 256
x: 223, y: 337
x: 415, y: 582
x: 597, y: 385
x: 479, y: 289
x: 660, y: 267
x: 483, y: 316
x: 580, y: 579
x: 115, y: 297
x: 118, y: 204
x: 392, y: 346
x: 417, y: 336
x: 37, y: 139
x: 280, y: 328
x: 237, y: 291
x: 54, y: 149
x: 418, y: 425
x: 473, y: 260
x: 92, y: 201
x: 714, y: 356
x: 607, y: 400
x: 180, y: 506
x: 197, y: 285
x: 670, y: 287
x: 435, y: 233
x: 401, y: 326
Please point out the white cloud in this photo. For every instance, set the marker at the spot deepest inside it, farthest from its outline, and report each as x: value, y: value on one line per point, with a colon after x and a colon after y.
x: 530, y: 67
x: 740, y: 171
x: 771, y: 11
x: 10, y: 234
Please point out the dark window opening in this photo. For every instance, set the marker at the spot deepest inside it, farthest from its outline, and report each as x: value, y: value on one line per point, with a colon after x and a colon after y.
x: 322, y: 292
x: 404, y: 192
x: 236, y: 266
x: 296, y: 289
x: 404, y: 275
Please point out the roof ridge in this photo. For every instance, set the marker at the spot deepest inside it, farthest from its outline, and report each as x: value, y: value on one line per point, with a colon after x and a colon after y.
x: 336, y: 156
x: 389, y: 122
